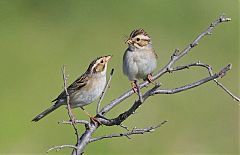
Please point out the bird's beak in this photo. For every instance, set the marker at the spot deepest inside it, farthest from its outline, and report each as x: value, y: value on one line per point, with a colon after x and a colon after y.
x: 108, y: 57
x: 129, y: 41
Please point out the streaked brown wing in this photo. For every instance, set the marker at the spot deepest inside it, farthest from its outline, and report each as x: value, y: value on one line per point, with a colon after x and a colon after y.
x: 76, y: 85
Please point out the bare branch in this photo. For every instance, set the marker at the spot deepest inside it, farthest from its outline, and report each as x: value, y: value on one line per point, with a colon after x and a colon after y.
x: 76, y: 122
x: 70, y: 114
x: 58, y: 148
x: 221, y: 85
x: 122, y: 117
x: 104, y: 91
x: 209, y: 68
x: 192, y: 85
x: 118, y: 120
x: 168, y: 67
x: 124, y: 127
x: 134, y: 131
x: 226, y: 90
x: 86, y: 137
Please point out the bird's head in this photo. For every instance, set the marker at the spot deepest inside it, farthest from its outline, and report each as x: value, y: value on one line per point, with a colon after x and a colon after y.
x: 138, y: 39
x: 99, y: 65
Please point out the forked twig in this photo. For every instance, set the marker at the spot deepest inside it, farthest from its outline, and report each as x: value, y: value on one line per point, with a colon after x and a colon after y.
x: 58, y: 148
x: 209, y: 68
x: 134, y: 131
x: 76, y: 122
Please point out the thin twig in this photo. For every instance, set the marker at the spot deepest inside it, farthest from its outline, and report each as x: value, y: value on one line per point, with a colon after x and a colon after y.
x: 134, y: 131
x: 221, y: 85
x: 226, y: 90
x: 209, y: 68
x: 58, y: 148
x: 70, y: 114
x: 104, y: 91
x: 192, y: 85
x: 124, y: 127
x: 76, y: 122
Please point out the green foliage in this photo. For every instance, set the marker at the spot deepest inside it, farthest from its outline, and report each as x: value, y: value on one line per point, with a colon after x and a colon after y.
x: 38, y: 37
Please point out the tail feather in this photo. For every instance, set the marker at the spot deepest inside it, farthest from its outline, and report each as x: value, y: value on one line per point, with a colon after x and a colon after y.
x: 47, y: 111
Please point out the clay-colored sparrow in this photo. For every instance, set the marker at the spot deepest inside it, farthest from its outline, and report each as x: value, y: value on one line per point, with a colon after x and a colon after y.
x: 85, y: 89
x: 139, y: 59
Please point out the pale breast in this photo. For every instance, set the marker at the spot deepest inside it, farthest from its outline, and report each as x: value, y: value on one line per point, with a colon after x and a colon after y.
x: 137, y: 64
x: 146, y: 63
x: 130, y: 68
x: 88, y: 93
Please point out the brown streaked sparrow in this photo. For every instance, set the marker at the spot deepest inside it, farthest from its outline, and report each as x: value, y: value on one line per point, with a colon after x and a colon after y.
x: 139, y: 59
x: 83, y: 91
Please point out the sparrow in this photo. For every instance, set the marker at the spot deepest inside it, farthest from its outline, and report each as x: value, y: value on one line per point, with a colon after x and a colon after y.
x: 85, y: 89
x: 139, y: 59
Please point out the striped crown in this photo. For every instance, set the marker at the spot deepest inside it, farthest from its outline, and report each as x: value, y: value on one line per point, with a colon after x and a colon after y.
x: 136, y: 32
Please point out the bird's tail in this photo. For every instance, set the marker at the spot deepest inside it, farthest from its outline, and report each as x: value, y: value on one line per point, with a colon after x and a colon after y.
x: 47, y: 111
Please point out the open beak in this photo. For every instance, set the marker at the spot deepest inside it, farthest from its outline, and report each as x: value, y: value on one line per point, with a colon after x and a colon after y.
x: 129, y: 41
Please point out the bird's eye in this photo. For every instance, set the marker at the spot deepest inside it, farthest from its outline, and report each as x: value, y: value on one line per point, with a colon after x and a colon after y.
x: 138, y: 39
x: 101, y: 61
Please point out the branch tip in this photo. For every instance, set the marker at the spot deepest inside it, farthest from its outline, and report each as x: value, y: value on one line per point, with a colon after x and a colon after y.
x: 223, y: 18
x: 223, y: 72
x: 124, y: 127
x: 104, y: 91
x: 176, y: 52
x: 111, y: 73
x: 58, y: 148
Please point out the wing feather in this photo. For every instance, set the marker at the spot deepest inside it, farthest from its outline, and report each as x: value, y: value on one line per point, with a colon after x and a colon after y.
x: 76, y: 85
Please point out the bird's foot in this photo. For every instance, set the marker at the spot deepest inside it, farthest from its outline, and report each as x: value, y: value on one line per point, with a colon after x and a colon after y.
x: 73, y: 120
x: 95, y: 120
x: 150, y: 79
x: 134, y: 86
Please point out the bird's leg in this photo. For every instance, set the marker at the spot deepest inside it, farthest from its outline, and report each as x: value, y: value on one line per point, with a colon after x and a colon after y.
x: 134, y: 87
x: 150, y: 79
x: 86, y: 112
x: 90, y: 116
x: 138, y: 91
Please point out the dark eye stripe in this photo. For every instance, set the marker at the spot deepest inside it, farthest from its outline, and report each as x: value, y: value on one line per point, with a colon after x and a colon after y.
x: 141, y: 44
x: 145, y: 40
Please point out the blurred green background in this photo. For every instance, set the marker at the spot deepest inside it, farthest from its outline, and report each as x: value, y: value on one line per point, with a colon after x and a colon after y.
x: 38, y: 37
